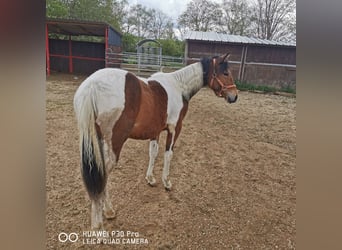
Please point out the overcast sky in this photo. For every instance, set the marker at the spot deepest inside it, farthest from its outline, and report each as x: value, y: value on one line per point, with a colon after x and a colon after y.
x: 172, y: 8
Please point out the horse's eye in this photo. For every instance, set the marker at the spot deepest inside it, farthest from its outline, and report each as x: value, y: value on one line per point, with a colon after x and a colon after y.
x: 226, y: 73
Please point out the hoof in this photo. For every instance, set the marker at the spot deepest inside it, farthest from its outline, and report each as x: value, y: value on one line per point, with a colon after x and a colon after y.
x: 152, y: 184
x: 110, y: 214
x: 167, y: 184
x: 151, y: 181
x: 97, y: 226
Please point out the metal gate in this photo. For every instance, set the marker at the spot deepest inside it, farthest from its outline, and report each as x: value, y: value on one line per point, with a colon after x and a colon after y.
x: 149, y: 54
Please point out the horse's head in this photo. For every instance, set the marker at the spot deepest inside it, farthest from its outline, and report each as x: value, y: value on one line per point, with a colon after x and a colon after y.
x: 221, y: 80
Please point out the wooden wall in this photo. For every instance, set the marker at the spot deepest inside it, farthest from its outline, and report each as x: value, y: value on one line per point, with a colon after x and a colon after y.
x: 255, y: 64
x: 85, y: 57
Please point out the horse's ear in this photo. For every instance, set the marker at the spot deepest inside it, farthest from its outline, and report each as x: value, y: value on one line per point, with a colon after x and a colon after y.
x: 225, y: 57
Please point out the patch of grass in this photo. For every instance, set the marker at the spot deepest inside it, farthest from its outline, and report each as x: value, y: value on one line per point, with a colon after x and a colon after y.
x: 264, y: 88
x: 288, y: 90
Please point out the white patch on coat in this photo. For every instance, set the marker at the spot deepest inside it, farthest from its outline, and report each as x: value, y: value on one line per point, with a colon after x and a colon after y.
x: 153, y: 152
x: 182, y: 83
x: 106, y: 88
x: 166, y: 169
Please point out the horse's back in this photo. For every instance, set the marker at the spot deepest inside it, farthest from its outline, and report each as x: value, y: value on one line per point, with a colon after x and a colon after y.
x: 106, y: 87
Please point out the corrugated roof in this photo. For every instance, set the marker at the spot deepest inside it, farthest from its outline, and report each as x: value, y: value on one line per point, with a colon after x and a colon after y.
x: 220, y: 37
x: 77, y: 27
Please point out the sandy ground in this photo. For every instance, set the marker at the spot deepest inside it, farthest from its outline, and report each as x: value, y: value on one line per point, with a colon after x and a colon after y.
x: 233, y: 176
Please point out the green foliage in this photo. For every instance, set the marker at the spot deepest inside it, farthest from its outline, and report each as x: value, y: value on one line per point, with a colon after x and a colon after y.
x: 94, y: 10
x: 129, y: 42
x: 56, y: 9
x: 110, y: 11
x: 172, y: 47
x: 288, y: 89
x: 249, y: 86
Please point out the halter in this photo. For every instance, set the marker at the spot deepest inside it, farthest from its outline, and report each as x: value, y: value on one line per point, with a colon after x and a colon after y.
x: 214, y: 77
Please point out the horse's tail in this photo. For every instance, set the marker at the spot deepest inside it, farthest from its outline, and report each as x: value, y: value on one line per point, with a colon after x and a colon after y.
x: 92, y: 161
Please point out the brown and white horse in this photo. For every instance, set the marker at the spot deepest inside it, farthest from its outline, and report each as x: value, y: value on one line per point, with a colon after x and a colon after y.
x: 113, y: 105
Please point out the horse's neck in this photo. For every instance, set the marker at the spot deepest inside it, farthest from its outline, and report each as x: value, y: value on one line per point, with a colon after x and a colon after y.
x: 189, y: 79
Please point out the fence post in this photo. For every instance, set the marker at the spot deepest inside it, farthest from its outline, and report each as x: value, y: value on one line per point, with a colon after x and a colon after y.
x: 47, y: 50
x: 243, y: 63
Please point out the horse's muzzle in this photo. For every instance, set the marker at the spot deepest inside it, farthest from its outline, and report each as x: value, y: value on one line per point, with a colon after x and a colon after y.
x: 232, y: 98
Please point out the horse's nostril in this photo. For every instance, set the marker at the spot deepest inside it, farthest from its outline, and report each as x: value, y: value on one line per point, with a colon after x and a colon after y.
x: 232, y: 99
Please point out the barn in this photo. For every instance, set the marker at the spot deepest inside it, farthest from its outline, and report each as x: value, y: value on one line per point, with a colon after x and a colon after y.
x: 75, y: 46
x: 253, y: 60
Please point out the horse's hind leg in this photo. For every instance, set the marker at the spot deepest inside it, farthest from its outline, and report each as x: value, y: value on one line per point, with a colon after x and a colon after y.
x: 106, y: 122
x: 108, y: 210
x: 110, y: 162
x: 172, y: 135
x: 168, y: 156
x: 96, y: 213
x: 153, y: 152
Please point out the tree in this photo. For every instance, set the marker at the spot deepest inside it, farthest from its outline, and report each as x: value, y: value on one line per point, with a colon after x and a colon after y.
x: 275, y: 19
x: 110, y: 11
x: 169, y: 32
x: 56, y: 9
x: 147, y: 23
x: 119, y: 11
x: 161, y: 25
x: 236, y: 18
x: 172, y: 47
x: 200, y: 15
x: 137, y: 20
x: 129, y: 42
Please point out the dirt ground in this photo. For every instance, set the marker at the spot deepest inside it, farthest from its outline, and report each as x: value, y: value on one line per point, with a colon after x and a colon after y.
x: 233, y: 176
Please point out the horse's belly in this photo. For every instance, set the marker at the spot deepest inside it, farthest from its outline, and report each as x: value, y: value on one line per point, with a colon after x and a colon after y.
x: 144, y: 132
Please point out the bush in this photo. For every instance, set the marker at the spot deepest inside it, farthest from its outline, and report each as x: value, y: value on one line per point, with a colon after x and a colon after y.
x: 129, y: 42
x: 172, y: 47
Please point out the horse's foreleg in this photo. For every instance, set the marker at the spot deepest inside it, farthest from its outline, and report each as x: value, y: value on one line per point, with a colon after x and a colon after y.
x: 166, y: 169
x: 153, y: 152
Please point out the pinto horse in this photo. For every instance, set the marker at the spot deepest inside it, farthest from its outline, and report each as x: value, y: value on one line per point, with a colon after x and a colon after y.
x: 112, y: 105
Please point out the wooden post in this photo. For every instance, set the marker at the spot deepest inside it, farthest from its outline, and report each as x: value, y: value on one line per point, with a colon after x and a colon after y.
x: 243, y: 63
x: 47, y: 50
x: 106, y: 45
x: 70, y: 56
x: 106, y: 38
x: 186, y: 53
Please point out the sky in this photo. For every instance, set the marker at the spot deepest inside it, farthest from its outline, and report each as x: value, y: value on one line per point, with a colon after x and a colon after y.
x: 172, y: 8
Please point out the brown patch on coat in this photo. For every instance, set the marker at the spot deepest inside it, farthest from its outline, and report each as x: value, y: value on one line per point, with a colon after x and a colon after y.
x: 151, y: 119
x: 125, y: 123
x: 144, y: 115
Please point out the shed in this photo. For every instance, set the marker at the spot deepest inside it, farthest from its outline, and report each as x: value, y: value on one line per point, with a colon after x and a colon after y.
x: 252, y: 60
x: 72, y: 55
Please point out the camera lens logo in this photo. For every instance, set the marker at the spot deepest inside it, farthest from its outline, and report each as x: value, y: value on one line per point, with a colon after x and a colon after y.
x: 64, y: 237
